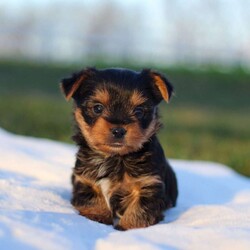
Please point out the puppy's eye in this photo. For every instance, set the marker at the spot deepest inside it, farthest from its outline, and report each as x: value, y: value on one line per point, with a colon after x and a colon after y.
x: 139, y: 112
x: 98, y: 108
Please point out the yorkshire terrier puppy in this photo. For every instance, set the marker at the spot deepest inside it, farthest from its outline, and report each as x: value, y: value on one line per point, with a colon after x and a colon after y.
x: 121, y: 176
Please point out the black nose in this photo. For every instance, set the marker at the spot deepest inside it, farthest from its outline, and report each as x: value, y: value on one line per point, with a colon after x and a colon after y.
x: 118, y: 132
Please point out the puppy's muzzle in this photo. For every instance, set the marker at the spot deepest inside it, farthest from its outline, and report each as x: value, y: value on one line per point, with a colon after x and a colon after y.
x: 118, y: 133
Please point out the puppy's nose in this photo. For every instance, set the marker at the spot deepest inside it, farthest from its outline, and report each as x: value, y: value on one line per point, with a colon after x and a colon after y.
x: 118, y: 132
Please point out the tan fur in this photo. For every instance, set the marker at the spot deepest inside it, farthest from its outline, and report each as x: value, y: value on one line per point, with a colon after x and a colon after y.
x: 133, y: 216
x: 97, y: 213
x: 75, y: 86
x: 91, y: 183
x: 102, y: 96
x: 161, y: 86
x: 98, y: 136
x: 137, y: 98
x: 85, y: 129
x: 99, y: 210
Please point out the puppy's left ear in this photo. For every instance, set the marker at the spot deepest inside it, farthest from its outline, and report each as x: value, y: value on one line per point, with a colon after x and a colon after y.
x: 162, y: 88
x: 70, y: 85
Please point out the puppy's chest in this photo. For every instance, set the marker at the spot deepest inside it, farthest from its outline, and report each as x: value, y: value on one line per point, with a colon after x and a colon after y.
x: 112, y: 175
x: 126, y: 186
x: 110, y: 168
x: 116, y: 178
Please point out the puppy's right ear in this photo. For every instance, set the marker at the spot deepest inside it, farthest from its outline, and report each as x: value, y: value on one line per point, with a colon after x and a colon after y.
x: 70, y: 85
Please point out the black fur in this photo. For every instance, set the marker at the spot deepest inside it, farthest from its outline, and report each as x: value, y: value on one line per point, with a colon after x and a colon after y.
x: 93, y: 165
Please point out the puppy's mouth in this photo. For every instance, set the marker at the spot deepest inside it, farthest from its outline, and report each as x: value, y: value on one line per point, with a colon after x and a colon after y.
x: 111, y: 148
x: 116, y: 145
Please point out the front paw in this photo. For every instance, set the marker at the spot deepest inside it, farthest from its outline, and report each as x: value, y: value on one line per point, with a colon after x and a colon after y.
x: 136, y: 219
x: 101, y: 218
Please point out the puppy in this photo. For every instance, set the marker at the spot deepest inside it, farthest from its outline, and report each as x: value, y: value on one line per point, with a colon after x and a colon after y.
x: 121, y: 176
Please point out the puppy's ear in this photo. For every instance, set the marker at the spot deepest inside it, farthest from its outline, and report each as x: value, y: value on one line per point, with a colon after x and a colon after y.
x: 162, y: 88
x: 70, y: 85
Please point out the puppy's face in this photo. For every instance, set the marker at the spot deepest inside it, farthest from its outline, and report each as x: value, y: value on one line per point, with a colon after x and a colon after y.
x: 116, y: 109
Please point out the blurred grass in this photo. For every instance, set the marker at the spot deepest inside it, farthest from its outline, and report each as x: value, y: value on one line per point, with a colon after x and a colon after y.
x: 207, y: 119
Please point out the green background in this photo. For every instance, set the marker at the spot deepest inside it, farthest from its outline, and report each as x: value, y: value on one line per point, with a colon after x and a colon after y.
x: 208, y: 118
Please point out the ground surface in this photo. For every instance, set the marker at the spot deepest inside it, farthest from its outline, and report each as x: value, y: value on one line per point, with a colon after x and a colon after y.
x: 213, y: 210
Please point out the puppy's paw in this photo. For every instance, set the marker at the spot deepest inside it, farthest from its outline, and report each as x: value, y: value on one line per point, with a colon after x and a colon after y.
x: 133, y: 220
x: 105, y: 219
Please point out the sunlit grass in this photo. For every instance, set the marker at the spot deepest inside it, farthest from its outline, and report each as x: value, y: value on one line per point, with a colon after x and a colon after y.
x: 36, y: 116
x: 192, y: 133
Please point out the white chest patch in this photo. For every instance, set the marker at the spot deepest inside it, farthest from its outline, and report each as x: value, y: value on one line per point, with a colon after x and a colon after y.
x: 105, y: 186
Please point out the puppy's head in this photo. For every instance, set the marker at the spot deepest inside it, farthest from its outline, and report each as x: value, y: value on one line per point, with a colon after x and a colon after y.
x: 116, y: 109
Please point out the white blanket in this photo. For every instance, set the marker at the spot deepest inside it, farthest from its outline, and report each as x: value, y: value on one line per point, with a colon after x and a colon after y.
x: 213, y: 210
